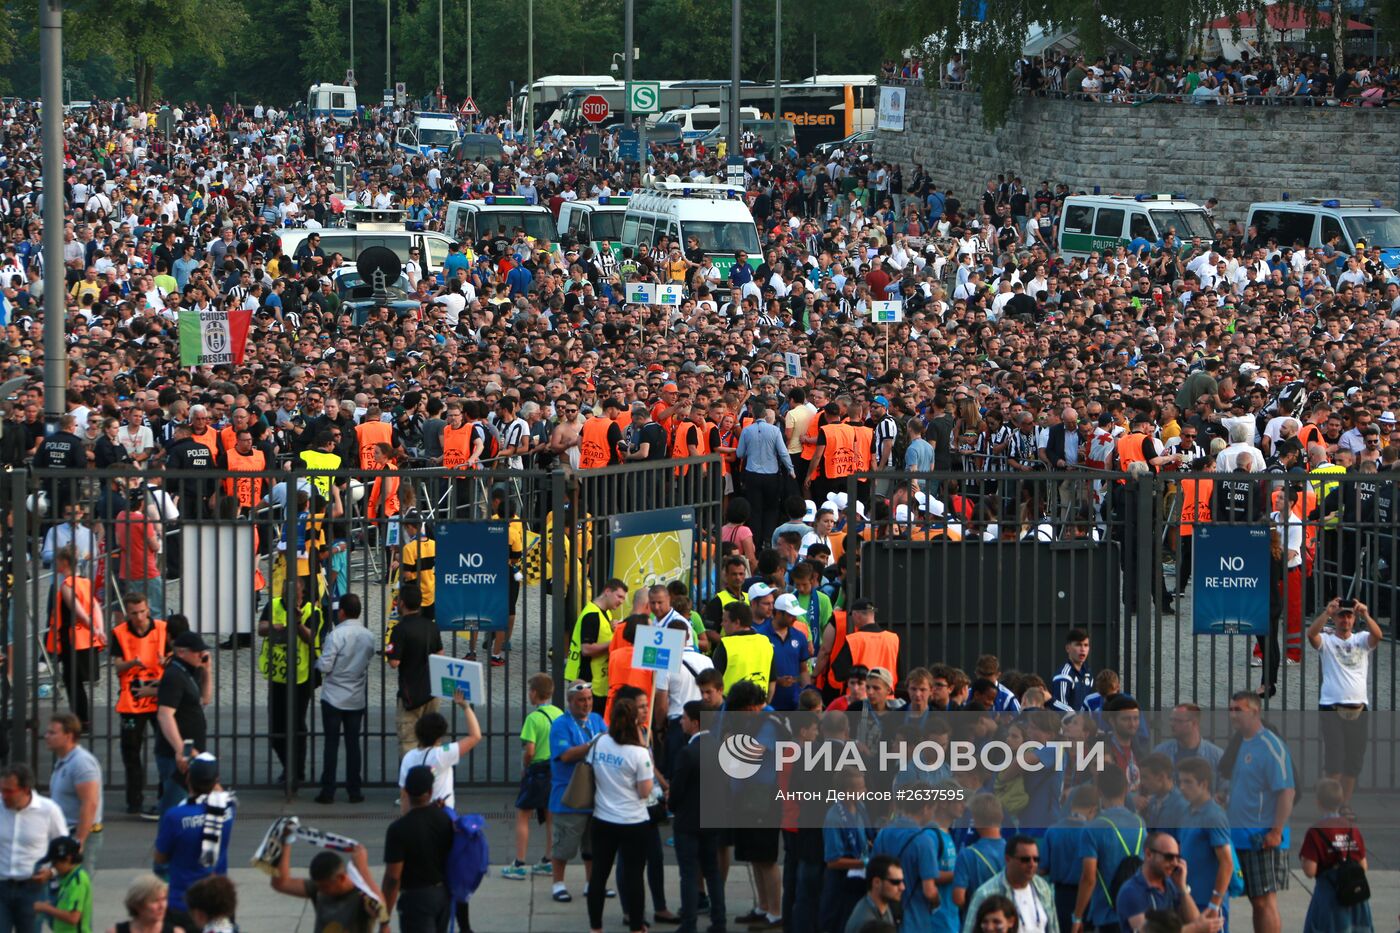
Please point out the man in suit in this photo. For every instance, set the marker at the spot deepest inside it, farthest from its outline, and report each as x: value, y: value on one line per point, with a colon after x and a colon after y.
x: 697, y: 850
x: 1064, y: 450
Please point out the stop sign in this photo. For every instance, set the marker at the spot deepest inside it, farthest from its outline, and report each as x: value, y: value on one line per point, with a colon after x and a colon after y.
x: 595, y: 108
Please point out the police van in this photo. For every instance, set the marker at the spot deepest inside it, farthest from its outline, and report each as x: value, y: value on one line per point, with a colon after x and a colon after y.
x: 1098, y: 222
x: 1313, y: 221
x: 430, y: 134
x: 594, y: 223
x: 336, y: 101
x: 470, y: 221
x: 366, y: 227
x: 716, y: 215
x: 695, y: 122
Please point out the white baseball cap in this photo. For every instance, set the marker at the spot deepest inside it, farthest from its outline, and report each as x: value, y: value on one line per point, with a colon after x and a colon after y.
x: 760, y: 590
x: 788, y: 603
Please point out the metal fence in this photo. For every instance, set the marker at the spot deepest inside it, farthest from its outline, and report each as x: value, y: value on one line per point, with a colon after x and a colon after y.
x: 219, y: 566
x: 1018, y: 558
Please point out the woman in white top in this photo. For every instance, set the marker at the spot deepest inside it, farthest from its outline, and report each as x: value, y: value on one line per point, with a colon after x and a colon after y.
x: 623, y: 778
x: 1345, y: 656
x: 441, y: 756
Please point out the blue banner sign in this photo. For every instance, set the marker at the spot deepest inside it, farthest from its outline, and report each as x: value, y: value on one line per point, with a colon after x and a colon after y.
x: 473, y: 583
x: 1230, y: 580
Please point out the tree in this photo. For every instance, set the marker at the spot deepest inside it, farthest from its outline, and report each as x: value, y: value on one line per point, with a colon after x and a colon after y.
x: 146, y: 35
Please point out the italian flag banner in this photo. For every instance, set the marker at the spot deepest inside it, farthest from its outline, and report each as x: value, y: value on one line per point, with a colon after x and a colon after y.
x: 211, y: 337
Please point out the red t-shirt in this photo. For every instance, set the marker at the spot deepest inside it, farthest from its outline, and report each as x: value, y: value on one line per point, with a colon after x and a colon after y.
x: 1332, y: 840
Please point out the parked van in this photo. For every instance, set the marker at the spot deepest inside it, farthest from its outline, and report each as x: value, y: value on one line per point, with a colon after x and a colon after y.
x: 332, y: 100
x: 594, y: 223
x: 430, y: 134
x: 469, y: 221
x: 1313, y: 221
x: 1097, y: 222
x: 365, y: 228
x: 695, y: 122
x: 716, y: 215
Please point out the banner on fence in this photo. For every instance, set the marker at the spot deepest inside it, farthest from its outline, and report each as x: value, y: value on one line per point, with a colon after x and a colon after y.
x: 473, y: 583
x: 1230, y: 579
x: 653, y: 547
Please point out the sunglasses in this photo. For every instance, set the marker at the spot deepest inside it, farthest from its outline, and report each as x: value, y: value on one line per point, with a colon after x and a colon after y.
x: 1028, y: 859
x: 1169, y: 856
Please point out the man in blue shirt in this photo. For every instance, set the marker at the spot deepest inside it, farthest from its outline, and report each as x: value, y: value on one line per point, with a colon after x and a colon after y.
x: 519, y: 279
x: 180, y: 837
x: 1073, y: 682
x: 1261, y: 800
x: 1205, y: 839
x: 455, y: 260
x: 791, y: 651
x: 923, y: 850
x: 569, y: 738
x: 1186, y: 741
x: 1114, y: 835
x: 1161, y: 885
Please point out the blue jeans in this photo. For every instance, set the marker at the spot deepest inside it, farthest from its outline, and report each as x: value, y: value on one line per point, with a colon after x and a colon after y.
x: 334, y: 720
x: 698, y: 855
x: 17, y: 899
x: 172, y: 785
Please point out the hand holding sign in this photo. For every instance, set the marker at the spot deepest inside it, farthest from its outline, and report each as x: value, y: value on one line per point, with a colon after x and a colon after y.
x: 447, y: 676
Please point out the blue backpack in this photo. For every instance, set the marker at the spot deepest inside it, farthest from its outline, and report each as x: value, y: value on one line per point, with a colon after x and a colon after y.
x: 470, y: 857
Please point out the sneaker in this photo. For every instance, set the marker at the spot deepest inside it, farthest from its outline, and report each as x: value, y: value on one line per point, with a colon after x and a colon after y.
x: 1255, y: 662
x: 498, y: 660
x: 516, y: 872
x: 561, y: 895
x: 470, y: 656
x: 324, y: 798
x: 150, y: 813
x: 1292, y: 662
x: 702, y: 903
x: 357, y: 798
x: 542, y: 867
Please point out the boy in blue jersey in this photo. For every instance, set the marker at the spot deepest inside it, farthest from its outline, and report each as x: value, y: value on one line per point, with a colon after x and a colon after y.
x: 1205, y: 840
x: 1060, y: 850
x: 1262, y: 792
x: 1115, y: 834
x: 984, y: 857
x: 989, y: 667
x: 1073, y: 682
x: 1159, y: 803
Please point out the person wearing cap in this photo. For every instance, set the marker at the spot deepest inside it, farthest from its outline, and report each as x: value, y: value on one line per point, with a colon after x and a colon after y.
x: 761, y: 598
x: 182, y: 730
x: 29, y: 822
x: 70, y: 910
x: 744, y: 654
x: 185, y: 829
x: 416, y: 849
x: 867, y: 645
x: 1345, y: 665
x: 792, y: 650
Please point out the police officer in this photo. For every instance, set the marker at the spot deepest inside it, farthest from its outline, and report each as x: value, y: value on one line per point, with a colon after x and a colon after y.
x: 186, y: 453
x: 62, y: 450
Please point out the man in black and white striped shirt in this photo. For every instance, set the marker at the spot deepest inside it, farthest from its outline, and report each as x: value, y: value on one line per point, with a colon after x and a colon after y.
x: 885, y: 432
x: 515, y: 434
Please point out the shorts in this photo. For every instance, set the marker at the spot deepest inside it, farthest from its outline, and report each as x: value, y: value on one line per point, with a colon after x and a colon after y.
x: 1265, y: 871
x: 573, y: 835
x: 1343, y: 740
x: 534, y: 789
x: 756, y: 845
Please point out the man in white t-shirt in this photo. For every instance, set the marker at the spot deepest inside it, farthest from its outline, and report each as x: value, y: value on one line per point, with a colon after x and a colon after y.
x: 1345, y: 662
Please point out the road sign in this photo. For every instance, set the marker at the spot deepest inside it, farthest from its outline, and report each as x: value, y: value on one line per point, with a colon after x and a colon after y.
x: 469, y: 107
x: 629, y: 146
x: 400, y: 93
x: 595, y: 108
x: 644, y: 96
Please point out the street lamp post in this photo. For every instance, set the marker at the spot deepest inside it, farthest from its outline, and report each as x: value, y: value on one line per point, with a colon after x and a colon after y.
x: 530, y: 73
x: 388, y: 25
x: 442, y: 87
x: 55, y: 306
x: 777, y: 64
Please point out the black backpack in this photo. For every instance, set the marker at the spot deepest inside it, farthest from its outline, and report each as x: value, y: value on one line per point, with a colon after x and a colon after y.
x: 1131, y: 864
x: 1347, y: 877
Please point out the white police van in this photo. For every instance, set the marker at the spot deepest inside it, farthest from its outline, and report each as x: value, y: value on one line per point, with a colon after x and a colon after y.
x: 336, y: 101
x: 469, y: 221
x: 1314, y: 221
x: 717, y: 216
x: 695, y: 122
x: 594, y: 223
x: 1098, y: 222
x: 430, y: 134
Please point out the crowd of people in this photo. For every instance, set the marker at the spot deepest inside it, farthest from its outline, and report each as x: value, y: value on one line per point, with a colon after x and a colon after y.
x: 1288, y: 77
x: 1238, y: 355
